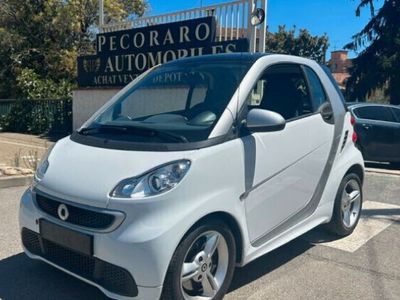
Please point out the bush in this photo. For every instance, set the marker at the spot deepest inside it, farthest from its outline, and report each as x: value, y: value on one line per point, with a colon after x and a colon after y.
x: 27, y: 115
x: 31, y: 86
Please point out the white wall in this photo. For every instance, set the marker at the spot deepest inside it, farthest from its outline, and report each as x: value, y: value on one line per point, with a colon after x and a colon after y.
x: 86, y: 102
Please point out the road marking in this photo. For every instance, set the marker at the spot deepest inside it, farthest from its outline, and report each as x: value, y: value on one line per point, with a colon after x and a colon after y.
x: 375, y: 217
x: 22, y: 144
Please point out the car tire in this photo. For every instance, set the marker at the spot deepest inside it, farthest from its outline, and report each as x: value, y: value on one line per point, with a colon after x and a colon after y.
x: 193, y: 254
x: 347, y: 207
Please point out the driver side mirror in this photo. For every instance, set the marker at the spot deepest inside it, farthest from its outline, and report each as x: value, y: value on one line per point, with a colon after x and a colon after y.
x: 262, y: 120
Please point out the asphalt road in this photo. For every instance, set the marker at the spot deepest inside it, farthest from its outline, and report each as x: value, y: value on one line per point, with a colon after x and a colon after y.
x: 314, y: 266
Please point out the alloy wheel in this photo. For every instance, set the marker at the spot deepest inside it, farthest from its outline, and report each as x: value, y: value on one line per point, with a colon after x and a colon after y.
x: 351, y: 203
x: 205, y: 266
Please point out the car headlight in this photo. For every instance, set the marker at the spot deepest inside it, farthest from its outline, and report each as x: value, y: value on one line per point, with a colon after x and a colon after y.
x: 154, y: 182
x: 43, y: 166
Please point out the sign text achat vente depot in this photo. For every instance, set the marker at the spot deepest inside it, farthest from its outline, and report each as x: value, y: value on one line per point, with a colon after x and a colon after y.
x: 123, y: 55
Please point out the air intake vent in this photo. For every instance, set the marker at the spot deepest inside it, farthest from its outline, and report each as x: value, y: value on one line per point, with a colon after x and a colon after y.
x: 113, y: 278
x: 77, y: 215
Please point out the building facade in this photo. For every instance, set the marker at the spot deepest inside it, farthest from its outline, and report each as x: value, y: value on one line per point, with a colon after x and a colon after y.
x: 340, y: 65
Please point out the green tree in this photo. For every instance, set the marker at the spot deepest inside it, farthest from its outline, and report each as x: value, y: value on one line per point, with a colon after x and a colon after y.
x: 32, y: 87
x: 303, y: 44
x: 7, y: 76
x: 46, y: 36
x: 377, y: 66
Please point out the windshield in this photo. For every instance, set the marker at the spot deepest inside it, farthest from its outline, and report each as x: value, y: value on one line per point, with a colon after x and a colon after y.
x: 175, y: 103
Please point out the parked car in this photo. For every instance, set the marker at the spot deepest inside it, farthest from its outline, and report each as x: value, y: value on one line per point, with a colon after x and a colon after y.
x: 200, y: 165
x: 378, y: 130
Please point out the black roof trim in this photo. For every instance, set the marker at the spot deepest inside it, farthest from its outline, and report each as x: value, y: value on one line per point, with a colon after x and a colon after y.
x: 244, y: 57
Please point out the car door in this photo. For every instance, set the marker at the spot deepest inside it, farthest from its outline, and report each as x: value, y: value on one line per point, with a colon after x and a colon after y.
x: 285, y: 166
x: 376, y: 128
x: 396, y: 140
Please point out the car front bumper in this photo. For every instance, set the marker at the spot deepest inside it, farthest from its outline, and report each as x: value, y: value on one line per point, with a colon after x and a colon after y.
x: 120, y: 268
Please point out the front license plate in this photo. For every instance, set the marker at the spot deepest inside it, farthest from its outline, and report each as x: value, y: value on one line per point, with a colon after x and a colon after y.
x: 73, y: 240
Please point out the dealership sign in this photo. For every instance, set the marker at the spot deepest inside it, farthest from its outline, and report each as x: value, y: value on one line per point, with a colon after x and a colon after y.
x: 123, y: 55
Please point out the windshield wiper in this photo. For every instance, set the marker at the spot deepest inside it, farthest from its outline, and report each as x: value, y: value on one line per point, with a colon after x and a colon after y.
x: 133, y: 129
x: 102, y: 128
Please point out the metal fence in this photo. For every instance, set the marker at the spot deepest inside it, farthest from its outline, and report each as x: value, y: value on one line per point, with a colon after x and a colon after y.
x: 5, y: 106
x: 36, y: 116
x: 233, y: 21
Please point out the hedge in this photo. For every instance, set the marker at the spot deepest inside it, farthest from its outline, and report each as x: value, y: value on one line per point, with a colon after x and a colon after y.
x: 43, y: 116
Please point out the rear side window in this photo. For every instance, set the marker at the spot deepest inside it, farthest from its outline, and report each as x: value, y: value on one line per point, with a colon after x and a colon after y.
x: 318, y: 95
x: 396, y: 112
x: 333, y: 81
x: 378, y: 113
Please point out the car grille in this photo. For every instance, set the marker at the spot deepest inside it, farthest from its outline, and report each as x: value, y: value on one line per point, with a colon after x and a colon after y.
x: 113, y: 278
x: 77, y: 216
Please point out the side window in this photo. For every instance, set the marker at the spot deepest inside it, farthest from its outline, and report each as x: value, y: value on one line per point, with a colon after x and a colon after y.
x: 256, y: 95
x: 198, y: 95
x: 317, y: 91
x: 396, y: 112
x: 378, y: 113
x: 282, y: 89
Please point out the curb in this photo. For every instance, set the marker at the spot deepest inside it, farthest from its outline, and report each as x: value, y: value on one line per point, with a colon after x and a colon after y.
x: 15, y: 181
x: 382, y: 171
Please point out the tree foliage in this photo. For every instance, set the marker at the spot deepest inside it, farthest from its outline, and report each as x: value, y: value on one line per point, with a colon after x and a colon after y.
x: 304, y: 44
x: 44, y: 37
x: 31, y: 86
x: 378, y: 65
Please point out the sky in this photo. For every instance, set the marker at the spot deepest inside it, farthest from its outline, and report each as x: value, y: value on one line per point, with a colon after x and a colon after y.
x: 336, y: 18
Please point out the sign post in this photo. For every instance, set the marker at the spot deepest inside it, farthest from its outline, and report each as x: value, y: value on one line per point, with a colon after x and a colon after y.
x: 264, y: 26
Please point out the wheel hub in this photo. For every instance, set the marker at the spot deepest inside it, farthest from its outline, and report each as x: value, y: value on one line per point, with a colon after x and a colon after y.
x: 204, y: 268
x: 203, y: 273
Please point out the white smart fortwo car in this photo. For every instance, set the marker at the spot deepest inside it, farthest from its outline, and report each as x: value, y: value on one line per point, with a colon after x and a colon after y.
x: 198, y: 166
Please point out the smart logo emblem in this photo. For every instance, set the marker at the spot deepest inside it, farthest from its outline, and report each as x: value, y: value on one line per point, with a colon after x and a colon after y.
x: 63, y: 212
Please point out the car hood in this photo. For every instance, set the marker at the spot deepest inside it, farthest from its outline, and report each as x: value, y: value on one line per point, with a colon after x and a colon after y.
x: 86, y: 174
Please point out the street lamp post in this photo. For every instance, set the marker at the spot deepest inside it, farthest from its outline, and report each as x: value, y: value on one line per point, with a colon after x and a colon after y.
x: 263, y: 31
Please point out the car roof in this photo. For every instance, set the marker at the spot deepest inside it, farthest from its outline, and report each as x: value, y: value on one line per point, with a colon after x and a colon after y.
x: 353, y: 105
x: 241, y: 57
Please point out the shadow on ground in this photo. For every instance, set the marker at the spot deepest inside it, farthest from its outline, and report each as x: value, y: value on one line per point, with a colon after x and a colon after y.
x: 23, y: 278
x: 381, y: 212
x: 390, y: 214
x: 319, y: 235
x: 269, y: 262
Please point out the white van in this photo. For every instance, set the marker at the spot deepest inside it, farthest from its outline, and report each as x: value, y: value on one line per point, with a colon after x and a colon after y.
x: 200, y: 165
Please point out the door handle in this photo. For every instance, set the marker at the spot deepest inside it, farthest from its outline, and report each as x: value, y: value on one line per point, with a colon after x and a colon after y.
x: 366, y: 126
